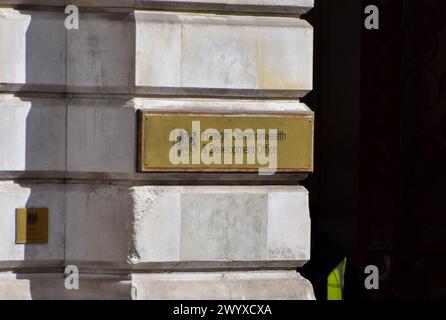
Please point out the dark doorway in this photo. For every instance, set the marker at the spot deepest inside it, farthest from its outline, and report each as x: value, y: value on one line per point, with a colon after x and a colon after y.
x: 380, y: 102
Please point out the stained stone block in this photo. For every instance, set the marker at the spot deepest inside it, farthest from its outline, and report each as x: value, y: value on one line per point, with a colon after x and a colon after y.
x: 101, y: 136
x: 23, y: 57
x: 234, y: 226
x: 285, y: 56
x: 102, y: 51
x: 288, y: 226
x: 157, y: 224
x: 32, y: 134
x: 158, y: 53
x: 216, y: 57
x: 223, y: 52
x: 99, y: 224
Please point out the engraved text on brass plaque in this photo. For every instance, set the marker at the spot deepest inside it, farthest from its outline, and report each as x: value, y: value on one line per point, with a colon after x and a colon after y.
x: 226, y: 142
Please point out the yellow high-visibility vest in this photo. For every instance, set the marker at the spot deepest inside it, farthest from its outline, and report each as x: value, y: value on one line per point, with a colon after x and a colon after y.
x: 335, y: 282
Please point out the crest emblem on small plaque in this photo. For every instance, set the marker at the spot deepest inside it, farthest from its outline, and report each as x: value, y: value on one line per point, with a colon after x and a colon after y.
x: 32, y: 226
x: 32, y: 218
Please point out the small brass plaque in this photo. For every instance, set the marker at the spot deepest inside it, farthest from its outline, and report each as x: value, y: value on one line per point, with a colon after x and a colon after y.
x: 226, y: 142
x: 31, y: 226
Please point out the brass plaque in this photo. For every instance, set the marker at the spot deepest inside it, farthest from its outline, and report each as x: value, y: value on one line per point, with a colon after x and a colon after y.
x: 31, y: 226
x: 172, y: 142
x: 226, y: 142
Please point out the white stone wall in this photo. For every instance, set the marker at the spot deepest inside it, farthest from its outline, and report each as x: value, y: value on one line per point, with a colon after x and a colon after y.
x: 163, y: 224
x: 208, y: 51
x: 68, y: 142
x: 113, y: 52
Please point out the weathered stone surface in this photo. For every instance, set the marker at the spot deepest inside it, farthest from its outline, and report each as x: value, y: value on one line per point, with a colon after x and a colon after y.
x: 223, y: 286
x: 157, y: 224
x: 238, y: 223
x: 102, y: 51
x: 230, y: 52
x: 124, y: 225
x: 288, y: 225
x: 101, y: 136
x: 234, y: 226
x: 32, y: 134
x: 51, y: 286
x: 113, y: 52
x: 216, y: 105
x: 273, y: 285
x: 158, y: 50
x: 23, y: 57
x: 99, y: 221
x: 216, y: 57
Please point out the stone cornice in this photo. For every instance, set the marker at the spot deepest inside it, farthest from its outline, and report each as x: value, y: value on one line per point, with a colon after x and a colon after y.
x: 294, y: 7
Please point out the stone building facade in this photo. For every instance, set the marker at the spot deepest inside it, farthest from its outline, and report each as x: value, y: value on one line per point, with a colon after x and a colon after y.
x: 69, y: 142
